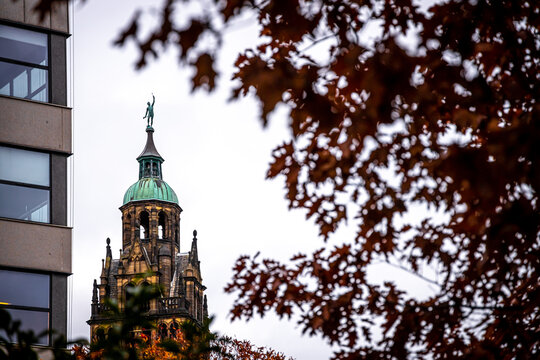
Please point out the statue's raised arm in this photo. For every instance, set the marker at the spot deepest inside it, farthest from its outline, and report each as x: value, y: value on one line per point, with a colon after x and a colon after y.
x: 149, y: 115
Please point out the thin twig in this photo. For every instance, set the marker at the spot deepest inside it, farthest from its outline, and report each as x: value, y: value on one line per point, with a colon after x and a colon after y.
x: 315, y: 42
x: 411, y: 272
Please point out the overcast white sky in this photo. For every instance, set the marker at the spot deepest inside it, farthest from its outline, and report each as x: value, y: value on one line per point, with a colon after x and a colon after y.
x: 216, y: 156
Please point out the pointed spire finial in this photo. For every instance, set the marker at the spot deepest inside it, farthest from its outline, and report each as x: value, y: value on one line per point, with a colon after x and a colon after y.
x: 150, y: 147
x: 193, y: 254
x: 205, y: 307
x: 108, y: 254
x: 95, y: 293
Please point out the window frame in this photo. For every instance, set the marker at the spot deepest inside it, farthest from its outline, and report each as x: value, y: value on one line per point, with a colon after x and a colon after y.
x: 32, y: 65
x: 47, y: 310
x: 33, y: 186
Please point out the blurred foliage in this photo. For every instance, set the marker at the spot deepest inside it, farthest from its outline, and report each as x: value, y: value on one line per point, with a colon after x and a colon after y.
x: 10, y: 333
x: 18, y: 344
x: 440, y: 112
x: 127, y: 338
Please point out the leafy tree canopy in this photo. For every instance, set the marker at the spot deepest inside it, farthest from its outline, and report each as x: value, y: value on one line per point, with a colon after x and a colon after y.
x: 448, y: 121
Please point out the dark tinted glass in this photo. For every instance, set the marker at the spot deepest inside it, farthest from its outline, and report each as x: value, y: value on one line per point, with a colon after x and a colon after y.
x: 37, y: 321
x: 24, y: 289
x: 23, y: 45
x: 24, y: 203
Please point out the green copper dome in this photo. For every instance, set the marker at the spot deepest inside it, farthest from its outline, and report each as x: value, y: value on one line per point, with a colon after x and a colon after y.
x: 150, y: 189
x: 150, y: 185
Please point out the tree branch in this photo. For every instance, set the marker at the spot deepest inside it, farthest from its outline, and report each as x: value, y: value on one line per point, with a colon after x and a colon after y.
x: 401, y: 267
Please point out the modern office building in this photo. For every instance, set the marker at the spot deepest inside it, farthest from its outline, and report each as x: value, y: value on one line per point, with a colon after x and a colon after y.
x: 151, y: 255
x: 35, y: 146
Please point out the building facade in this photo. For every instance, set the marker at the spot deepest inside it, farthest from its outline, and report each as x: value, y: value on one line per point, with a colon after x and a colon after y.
x: 151, y: 245
x: 35, y: 145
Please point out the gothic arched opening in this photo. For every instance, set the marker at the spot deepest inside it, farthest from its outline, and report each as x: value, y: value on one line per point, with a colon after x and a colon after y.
x: 144, y: 221
x: 162, y: 220
x: 163, y: 332
x: 99, y: 335
x: 128, y: 292
x: 173, y: 330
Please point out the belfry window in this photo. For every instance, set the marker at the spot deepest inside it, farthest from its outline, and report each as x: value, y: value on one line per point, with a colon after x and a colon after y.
x: 24, y: 65
x: 161, y: 225
x: 147, y: 168
x: 142, y: 232
x: 144, y: 222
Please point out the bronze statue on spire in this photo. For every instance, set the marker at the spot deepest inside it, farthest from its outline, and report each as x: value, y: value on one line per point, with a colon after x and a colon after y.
x: 149, y: 115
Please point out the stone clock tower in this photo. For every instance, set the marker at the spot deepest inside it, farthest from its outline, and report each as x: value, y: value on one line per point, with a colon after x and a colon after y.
x: 151, y: 242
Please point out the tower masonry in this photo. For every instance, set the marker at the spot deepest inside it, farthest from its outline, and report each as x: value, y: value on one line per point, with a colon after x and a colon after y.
x: 151, y: 244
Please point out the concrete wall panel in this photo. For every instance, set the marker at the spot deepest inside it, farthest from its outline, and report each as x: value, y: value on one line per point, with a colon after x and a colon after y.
x: 12, y: 10
x: 33, y: 124
x: 58, y: 70
x: 59, y: 303
x: 23, y: 11
x: 35, y: 246
x: 32, y: 17
x: 59, y: 189
x: 59, y: 16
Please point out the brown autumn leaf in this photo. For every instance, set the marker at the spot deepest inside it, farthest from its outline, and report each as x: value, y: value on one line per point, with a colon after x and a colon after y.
x: 205, y: 74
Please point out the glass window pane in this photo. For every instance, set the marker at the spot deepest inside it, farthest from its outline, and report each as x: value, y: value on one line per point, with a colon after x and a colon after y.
x: 23, y: 45
x: 24, y: 289
x: 20, y: 82
x: 38, y: 83
x: 37, y: 321
x: 24, y: 166
x: 40, y: 95
x: 24, y: 203
x: 23, y: 81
